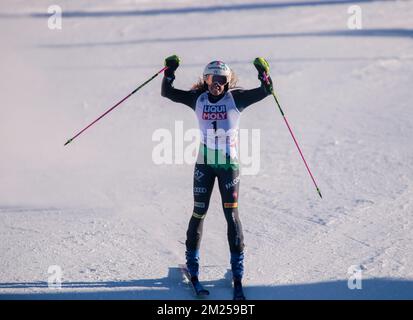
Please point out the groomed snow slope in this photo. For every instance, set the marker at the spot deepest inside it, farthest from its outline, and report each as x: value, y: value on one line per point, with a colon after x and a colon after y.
x: 115, y: 222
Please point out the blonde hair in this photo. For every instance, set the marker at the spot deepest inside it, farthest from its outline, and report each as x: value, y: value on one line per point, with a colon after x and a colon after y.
x: 200, y: 84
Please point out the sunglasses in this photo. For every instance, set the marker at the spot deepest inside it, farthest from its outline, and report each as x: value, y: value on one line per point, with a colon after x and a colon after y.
x: 214, y: 78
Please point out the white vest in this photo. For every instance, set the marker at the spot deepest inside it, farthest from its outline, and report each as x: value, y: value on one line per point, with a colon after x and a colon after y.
x: 219, y: 123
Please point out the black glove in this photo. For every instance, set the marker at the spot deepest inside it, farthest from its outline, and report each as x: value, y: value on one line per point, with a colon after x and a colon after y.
x: 172, y: 62
x: 263, y: 69
x: 266, y: 81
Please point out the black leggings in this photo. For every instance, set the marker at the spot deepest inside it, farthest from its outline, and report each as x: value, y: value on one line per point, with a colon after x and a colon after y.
x: 228, y: 182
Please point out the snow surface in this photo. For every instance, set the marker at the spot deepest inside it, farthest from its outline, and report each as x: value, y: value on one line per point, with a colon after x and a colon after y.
x: 115, y: 222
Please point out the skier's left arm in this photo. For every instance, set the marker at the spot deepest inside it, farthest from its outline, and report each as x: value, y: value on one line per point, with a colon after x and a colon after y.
x: 245, y: 98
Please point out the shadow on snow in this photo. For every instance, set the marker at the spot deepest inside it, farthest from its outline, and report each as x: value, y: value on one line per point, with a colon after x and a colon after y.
x: 389, y: 33
x: 188, y: 10
x: 172, y: 287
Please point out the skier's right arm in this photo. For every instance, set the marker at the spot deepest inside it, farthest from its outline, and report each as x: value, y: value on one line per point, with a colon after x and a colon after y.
x: 168, y: 91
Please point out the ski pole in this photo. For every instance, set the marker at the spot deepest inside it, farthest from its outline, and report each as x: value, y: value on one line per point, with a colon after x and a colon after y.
x: 150, y: 79
x: 292, y: 135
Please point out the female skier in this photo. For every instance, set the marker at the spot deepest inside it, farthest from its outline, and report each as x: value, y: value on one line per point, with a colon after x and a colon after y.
x: 218, y: 106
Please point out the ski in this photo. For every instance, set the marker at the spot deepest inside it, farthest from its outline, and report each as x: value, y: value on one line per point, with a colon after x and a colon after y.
x: 199, y: 290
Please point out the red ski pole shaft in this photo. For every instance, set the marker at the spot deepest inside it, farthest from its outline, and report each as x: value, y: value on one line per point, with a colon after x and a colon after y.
x: 295, y: 140
x: 117, y: 104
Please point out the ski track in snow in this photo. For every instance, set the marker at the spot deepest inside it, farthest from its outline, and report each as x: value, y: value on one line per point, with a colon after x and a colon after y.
x: 115, y: 222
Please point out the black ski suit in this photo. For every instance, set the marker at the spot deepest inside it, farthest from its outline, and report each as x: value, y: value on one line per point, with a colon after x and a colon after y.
x: 204, y: 178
